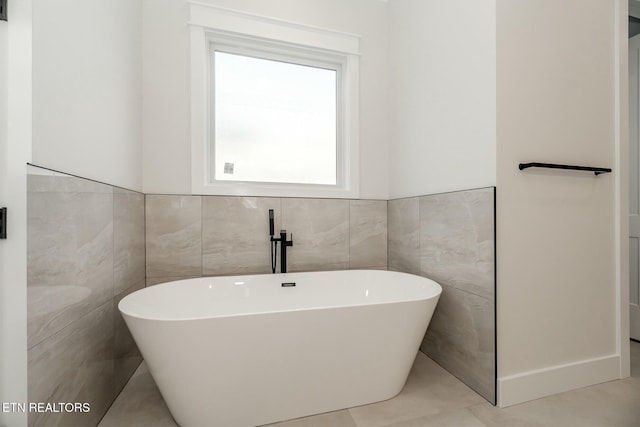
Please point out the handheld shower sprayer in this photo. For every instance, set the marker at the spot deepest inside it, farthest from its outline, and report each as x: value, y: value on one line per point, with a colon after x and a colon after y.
x: 274, y: 245
x: 273, y: 242
x: 271, y: 226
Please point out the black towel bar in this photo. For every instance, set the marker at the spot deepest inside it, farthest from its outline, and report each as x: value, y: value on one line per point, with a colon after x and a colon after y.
x: 596, y: 171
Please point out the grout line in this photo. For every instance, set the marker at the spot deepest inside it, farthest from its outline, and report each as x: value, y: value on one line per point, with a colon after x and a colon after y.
x: 202, y: 235
x: 114, y: 306
x: 388, y: 245
x: 495, y: 296
x: 349, y: 230
x: 113, y: 243
x: 144, y: 227
x: 419, y: 265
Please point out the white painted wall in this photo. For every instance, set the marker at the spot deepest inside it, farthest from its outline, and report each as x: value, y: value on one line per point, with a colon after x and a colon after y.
x: 476, y: 89
x: 556, y: 243
x: 166, y: 137
x: 6, y: 340
x: 4, y: 80
x: 442, y: 96
x: 15, y: 152
x: 87, y: 89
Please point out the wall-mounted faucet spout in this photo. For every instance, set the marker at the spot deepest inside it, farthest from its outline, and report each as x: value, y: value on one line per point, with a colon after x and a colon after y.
x: 283, y: 250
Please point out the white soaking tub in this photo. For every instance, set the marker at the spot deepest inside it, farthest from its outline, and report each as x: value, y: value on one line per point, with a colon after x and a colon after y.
x: 245, y: 350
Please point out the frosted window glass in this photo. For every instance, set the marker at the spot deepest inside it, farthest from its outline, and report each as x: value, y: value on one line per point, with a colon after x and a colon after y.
x: 274, y: 121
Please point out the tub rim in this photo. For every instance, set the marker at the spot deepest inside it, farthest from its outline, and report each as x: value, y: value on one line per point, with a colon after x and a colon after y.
x: 437, y: 292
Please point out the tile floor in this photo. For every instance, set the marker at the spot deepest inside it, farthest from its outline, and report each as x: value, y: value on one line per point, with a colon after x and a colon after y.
x: 431, y: 397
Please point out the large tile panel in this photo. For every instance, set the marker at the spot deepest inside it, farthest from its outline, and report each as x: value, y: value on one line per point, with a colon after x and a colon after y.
x: 457, y: 418
x: 85, y: 252
x: 429, y: 392
x: 173, y: 235
x: 128, y: 239
x: 70, y: 251
x: 461, y: 339
x: 320, y: 230
x: 404, y: 235
x: 328, y: 234
x: 235, y: 234
x: 126, y: 355
x: 609, y: 404
x: 457, y: 240
x: 328, y: 419
x: 74, y: 365
x: 450, y: 238
x: 139, y: 405
x: 367, y: 234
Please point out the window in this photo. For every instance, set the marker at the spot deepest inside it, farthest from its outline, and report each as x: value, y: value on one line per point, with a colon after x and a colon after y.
x: 273, y: 121
x: 274, y: 107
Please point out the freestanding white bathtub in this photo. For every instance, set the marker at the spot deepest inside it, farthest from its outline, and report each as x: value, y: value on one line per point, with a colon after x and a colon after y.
x: 246, y: 350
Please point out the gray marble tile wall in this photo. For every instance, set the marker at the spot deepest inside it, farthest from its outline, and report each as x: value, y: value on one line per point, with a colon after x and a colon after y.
x: 450, y: 238
x: 90, y: 245
x: 235, y: 234
x: 403, y: 216
x: 193, y: 236
x: 85, y: 249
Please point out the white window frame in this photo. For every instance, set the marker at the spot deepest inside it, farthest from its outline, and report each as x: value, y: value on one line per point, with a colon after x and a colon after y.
x: 214, y: 28
x: 267, y: 51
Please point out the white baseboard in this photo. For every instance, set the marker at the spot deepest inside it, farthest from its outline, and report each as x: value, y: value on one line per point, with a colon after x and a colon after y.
x: 539, y: 383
